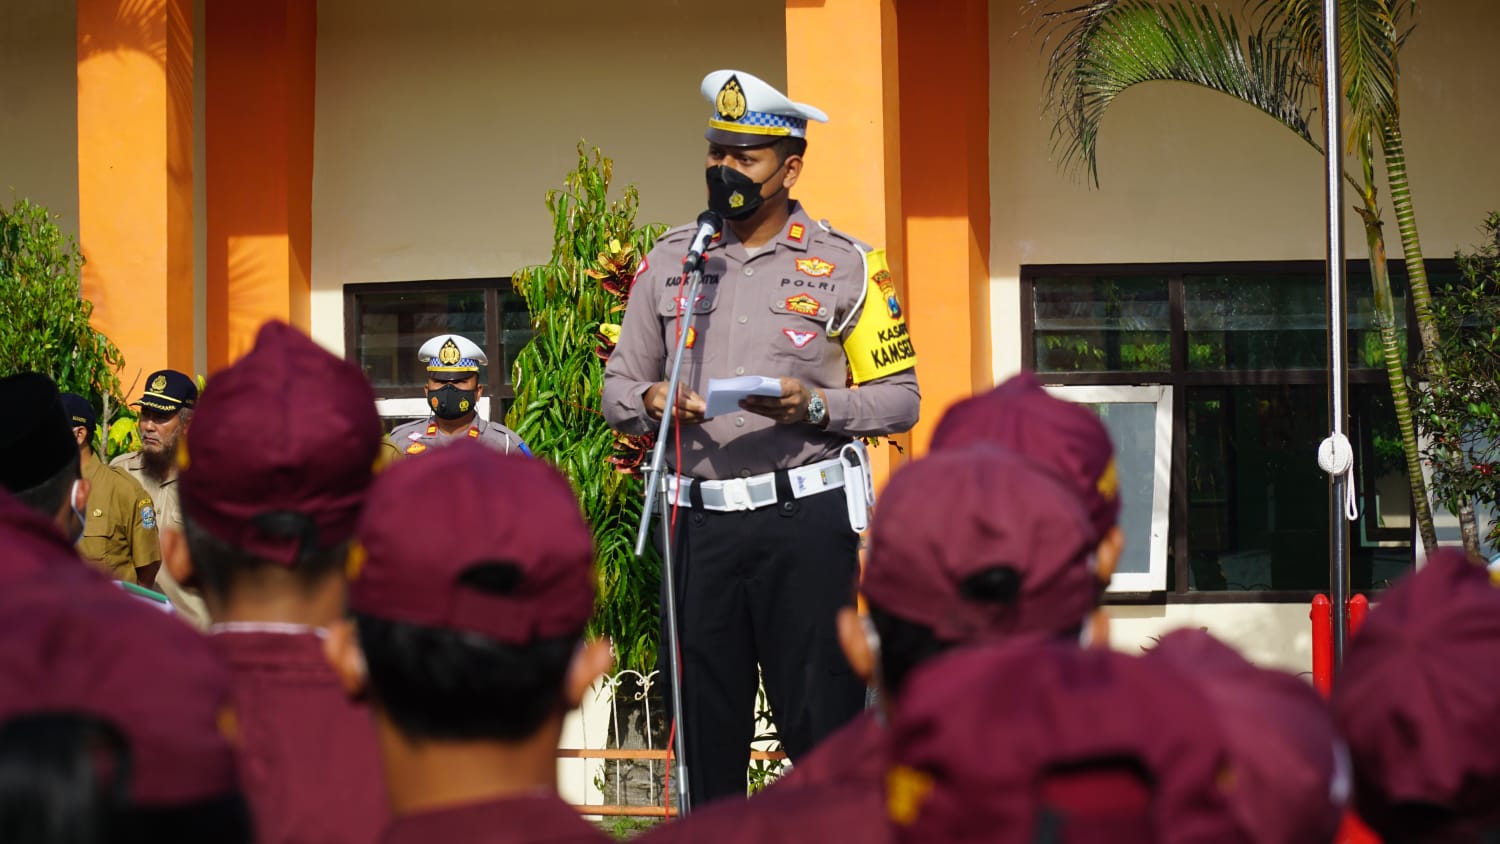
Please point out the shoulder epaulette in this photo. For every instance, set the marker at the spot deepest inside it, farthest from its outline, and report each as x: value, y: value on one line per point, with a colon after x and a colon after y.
x: 861, y: 249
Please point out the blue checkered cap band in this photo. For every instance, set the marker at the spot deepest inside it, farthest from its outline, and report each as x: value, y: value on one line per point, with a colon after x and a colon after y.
x: 796, y: 126
x: 748, y: 107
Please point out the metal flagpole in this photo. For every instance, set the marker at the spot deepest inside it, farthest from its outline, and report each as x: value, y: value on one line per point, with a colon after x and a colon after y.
x: 1336, y: 456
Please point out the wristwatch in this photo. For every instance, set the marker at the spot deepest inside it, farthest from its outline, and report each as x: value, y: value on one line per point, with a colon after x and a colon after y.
x: 817, y: 411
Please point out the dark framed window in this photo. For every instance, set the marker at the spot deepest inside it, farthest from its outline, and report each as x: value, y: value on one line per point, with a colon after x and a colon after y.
x: 385, y: 323
x: 1243, y: 347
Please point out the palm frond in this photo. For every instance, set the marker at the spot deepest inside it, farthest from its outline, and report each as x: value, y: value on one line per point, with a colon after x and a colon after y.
x: 1371, y: 33
x: 1102, y: 48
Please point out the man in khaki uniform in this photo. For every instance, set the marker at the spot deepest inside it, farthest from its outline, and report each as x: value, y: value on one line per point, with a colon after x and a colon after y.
x: 767, y: 550
x: 119, y: 520
x: 453, y: 391
x: 166, y: 409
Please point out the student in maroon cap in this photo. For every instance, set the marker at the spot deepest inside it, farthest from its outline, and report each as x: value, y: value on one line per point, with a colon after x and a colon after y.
x: 1291, y: 769
x: 968, y: 544
x: 272, y: 478
x: 1061, y: 436
x: 1014, y: 742
x: 470, y: 643
x: 106, y: 737
x: 1418, y: 699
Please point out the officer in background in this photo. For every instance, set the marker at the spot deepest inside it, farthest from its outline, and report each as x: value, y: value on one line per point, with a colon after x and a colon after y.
x: 119, y: 524
x: 453, y: 392
x: 767, y: 550
x: 166, y: 410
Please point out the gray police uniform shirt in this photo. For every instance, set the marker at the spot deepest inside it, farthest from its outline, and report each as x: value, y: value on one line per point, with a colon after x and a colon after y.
x: 417, y: 437
x: 764, y: 314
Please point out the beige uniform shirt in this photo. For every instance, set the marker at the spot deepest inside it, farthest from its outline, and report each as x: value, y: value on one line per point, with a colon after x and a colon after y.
x: 119, y: 529
x: 768, y: 314
x: 423, y: 434
x: 168, y: 514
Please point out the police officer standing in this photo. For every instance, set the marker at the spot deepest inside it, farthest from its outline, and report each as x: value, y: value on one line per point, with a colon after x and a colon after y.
x: 453, y: 392
x: 766, y: 551
x: 166, y: 410
x: 119, y: 520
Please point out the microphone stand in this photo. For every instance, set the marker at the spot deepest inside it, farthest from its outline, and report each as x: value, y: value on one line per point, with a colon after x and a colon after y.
x: 656, y: 486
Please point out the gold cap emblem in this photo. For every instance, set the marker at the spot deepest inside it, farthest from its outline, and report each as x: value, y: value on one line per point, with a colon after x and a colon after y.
x: 158, y: 383
x: 730, y: 103
x: 448, y: 355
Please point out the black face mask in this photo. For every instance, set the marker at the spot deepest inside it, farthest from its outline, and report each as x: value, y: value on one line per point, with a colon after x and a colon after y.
x: 449, y: 402
x: 733, y: 195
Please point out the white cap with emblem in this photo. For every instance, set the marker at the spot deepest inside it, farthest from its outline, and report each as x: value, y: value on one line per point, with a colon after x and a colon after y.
x: 749, y: 112
x: 452, y: 353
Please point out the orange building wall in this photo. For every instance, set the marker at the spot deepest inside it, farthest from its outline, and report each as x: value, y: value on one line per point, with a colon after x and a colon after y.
x: 135, y: 178
x: 259, y: 127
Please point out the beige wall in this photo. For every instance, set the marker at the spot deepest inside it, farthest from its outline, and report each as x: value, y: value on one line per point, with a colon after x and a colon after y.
x: 441, y: 125
x: 39, y: 106
x: 1274, y: 635
x: 1191, y: 175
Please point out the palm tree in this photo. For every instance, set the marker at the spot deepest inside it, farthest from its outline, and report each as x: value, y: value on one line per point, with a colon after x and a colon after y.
x: 1104, y: 47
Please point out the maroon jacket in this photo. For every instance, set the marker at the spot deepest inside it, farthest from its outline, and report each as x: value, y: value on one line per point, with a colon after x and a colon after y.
x: 831, y: 812
x: 307, y: 756
x: 856, y: 752
x: 541, y: 818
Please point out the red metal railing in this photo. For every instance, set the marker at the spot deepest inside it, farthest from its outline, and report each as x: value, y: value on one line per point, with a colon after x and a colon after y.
x: 1353, y: 831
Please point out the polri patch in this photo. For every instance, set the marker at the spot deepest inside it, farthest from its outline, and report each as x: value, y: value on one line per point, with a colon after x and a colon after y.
x: 815, y: 267
x: 803, y: 304
x: 416, y: 448
x: 799, y: 338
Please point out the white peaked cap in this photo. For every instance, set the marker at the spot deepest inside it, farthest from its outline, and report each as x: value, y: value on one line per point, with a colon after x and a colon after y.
x: 749, y: 112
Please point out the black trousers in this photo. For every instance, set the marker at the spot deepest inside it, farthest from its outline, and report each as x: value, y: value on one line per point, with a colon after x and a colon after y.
x: 762, y: 587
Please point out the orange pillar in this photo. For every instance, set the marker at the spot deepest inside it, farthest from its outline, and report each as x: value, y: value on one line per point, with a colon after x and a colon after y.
x: 260, y: 57
x: 135, y: 178
x: 944, y: 89
x: 841, y: 57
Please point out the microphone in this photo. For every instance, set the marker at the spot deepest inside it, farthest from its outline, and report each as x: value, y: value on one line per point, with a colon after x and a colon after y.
x: 709, y: 224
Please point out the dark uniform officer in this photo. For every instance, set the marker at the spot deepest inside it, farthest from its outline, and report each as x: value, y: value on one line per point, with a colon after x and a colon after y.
x: 767, y: 551
x: 166, y: 409
x: 119, y: 520
x: 453, y: 391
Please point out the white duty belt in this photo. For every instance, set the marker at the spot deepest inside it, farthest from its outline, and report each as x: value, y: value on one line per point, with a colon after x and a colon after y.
x: 756, y: 491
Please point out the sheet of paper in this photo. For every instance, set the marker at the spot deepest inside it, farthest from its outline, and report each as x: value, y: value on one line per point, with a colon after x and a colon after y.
x: 724, y: 394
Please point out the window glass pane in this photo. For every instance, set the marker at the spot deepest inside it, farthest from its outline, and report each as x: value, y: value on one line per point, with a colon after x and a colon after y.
x: 1102, y: 325
x: 1132, y: 427
x: 1255, y: 322
x: 393, y: 326
x: 1258, y: 504
x: 515, y: 331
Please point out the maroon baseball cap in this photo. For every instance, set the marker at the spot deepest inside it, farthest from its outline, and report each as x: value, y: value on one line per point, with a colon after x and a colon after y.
x: 1066, y: 438
x: 282, y: 449
x: 87, y: 648
x: 1418, y: 698
x: 1291, y: 768
x: 497, y: 508
x: 992, y: 740
x: 947, y: 517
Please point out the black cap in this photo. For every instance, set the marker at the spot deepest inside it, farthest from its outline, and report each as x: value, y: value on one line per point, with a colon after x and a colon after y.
x: 80, y: 413
x: 169, y: 391
x: 36, y: 435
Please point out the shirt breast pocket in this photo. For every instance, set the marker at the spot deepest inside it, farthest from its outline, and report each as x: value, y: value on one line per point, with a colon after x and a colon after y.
x: 801, y: 332
x: 673, y: 311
